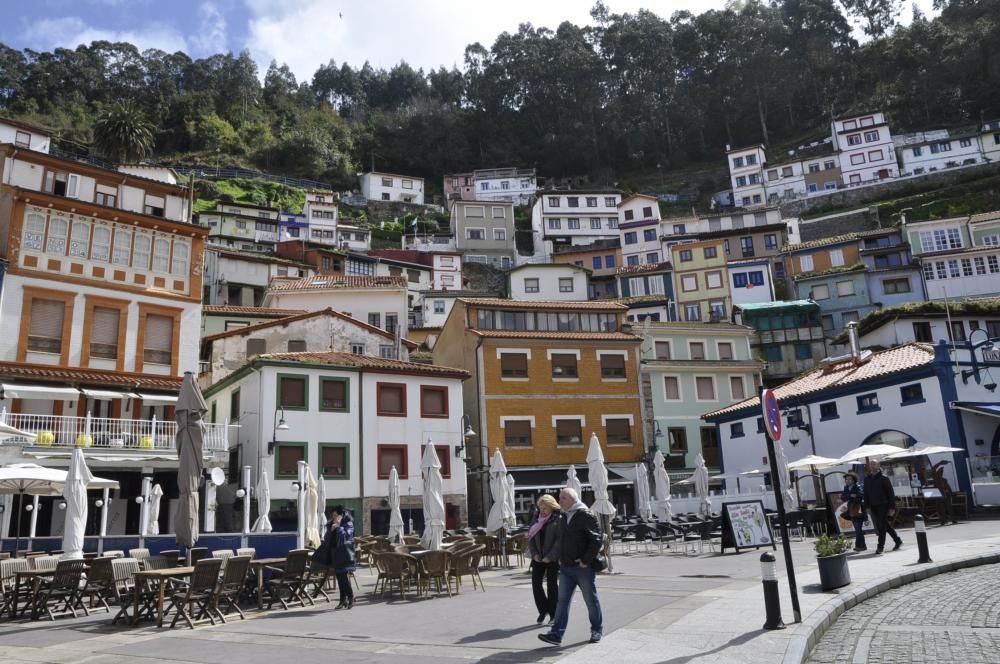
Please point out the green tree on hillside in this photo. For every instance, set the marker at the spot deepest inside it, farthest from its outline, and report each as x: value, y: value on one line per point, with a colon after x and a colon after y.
x: 122, y: 133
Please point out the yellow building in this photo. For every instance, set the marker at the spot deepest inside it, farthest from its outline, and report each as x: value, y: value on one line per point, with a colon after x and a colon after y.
x: 545, y: 376
x: 701, y: 281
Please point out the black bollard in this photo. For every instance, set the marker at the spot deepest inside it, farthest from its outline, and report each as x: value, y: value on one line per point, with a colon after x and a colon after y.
x: 921, y: 530
x: 772, y: 603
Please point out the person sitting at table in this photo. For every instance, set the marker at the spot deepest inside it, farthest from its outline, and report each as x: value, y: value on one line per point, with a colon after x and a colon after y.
x: 855, y: 511
x: 543, y: 548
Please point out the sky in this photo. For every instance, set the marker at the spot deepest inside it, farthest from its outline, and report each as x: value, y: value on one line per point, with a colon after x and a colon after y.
x: 307, y: 33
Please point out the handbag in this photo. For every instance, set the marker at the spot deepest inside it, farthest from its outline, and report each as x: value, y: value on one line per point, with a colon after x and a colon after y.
x: 599, y: 564
x: 855, y: 511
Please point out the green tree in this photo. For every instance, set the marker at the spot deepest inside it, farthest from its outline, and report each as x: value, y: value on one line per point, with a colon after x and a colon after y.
x: 122, y: 133
x: 878, y: 16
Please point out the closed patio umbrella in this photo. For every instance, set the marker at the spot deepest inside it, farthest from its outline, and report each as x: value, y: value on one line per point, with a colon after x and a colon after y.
x: 263, y: 522
x: 321, y: 511
x: 499, y: 511
x: 602, y: 506
x: 154, y: 509
x: 395, y: 516
x: 661, y: 480
x: 433, y: 499
x: 511, y: 505
x: 642, y: 507
x: 312, y: 538
x: 700, y: 480
x: 75, y: 493
x: 190, y: 410
x: 572, y: 482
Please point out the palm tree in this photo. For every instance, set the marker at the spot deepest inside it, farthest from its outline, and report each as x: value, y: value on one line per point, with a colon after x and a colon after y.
x: 122, y: 133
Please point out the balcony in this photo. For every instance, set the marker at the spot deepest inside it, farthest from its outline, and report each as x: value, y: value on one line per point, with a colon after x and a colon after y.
x: 58, y: 431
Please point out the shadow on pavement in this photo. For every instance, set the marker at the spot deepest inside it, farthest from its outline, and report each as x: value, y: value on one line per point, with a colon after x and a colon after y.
x: 736, y: 641
x: 497, y: 634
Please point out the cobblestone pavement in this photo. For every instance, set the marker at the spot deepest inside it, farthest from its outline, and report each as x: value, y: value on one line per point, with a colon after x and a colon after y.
x: 953, y: 617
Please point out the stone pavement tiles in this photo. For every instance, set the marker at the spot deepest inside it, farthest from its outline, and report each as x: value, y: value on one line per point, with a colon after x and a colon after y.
x: 952, y: 617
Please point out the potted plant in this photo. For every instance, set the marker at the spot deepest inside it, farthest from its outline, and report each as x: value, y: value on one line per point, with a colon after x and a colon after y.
x: 831, y: 556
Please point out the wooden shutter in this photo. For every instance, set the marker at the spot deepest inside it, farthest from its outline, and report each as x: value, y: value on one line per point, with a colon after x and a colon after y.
x: 517, y: 433
x: 433, y: 401
x: 293, y: 392
x: 46, y: 326
x: 104, y: 333
x: 514, y: 364
x: 568, y: 432
x: 613, y: 366
x: 618, y: 432
x: 256, y: 347
x: 159, y: 339
x: 334, y: 394
x: 296, y: 346
x: 390, y: 400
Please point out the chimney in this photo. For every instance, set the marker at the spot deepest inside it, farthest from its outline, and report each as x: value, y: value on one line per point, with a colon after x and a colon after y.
x: 852, y: 333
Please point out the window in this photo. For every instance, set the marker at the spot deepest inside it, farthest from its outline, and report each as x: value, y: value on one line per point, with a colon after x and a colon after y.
x: 565, y: 284
x: 517, y: 433
x: 629, y: 215
x: 653, y: 257
x: 573, y: 224
x: 692, y: 312
x: 751, y: 159
x: 45, y: 330
x: 286, y: 459
x: 609, y: 261
x: 868, y: 403
x: 389, y: 457
x: 812, y: 187
x: 993, y: 328
x: 612, y: 222
x: 689, y: 283
x: 725, y: 351
x: 158, y: 340
x: 475, y: 234
x: 849, y: 316
x: 531, y: 284
x: 828, y: 410
x: 845, y: 288
x: 386, y: 182
x: 966, y: 267
x: 686, y: 255
x: 106, y: 198
x: 632, y: 260
x: 917, y: 151
x: 591, y: 201
x: 802, y: 351
x: 871, y: 136
x: 22, y: 139
x: 553, y: 201
x: 554, y: 224
x: 836, y: 257
x: 293, y: 392
x: 736, y: 430
x: 612, y: 366
x: 737, y: 162
x: 649, y: 235
x: 741, y: 181
x: 677, y: 440
x: 595, y: 223
x: 179, y: 260
x: 234, y: 406
x: 610, y: 201
x: 100, y: 250
x: 922, y: 332
x: 358, y: 349
x: 662, y: 350
x: 433, y: 401
x: 631, y: 237
x: 696, y: 350
x: 854, y: 139
x: 333, y: 394
x: 756, y: 278
x: 34, y: 231
x: 58, y: 229
x: 618, y: 431
x: 161, y: 254
x: 857, y: 159
x: 806, y: 263
x: 874, y: 155
x: 391, y: 399
x: 439, y: 306
x: 595, y: 261
x: 514, y: 365
x: 140, y: 251
x: 957, y: 329
x: 568, y: 433
x: 333, y: 461
x: 713, y: 279
x: 104, y: 324
x: 671, y: 388
x: 827, y: 323
x: 564, y: 365
x: 944, y: 146
x: 60, y: 183
x: 153, y: 207
x: 772, y: 353
x: 820, y: 292
x: 891, y: 286
x: 912, y: 393
x: 375, y: 319
x: 500, y: 234
x: 736, y: 388
x: 711, y: 252
x: 391, y: 322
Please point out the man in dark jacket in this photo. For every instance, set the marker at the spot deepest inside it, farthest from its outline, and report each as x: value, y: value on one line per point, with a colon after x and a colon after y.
x: 580, y: 541
x: 881, y: 500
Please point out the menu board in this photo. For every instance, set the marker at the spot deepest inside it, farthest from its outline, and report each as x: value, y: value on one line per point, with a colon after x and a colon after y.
x: 838, y: 509
x: 745, y: 526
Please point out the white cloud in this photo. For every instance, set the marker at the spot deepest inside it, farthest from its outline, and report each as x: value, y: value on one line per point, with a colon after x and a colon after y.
x: 211, y: 38
x: 71, y: 31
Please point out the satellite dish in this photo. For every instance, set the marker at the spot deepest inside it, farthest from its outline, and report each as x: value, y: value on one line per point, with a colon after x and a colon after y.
x: 218, y: 477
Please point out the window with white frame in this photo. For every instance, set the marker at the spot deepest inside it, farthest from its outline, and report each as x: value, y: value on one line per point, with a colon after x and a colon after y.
x: 736, y: 388
x: 836, y: 257
x: 500, y: 234
x: 704, y: 388
x: 566, y: 284
x: 531, y: 284
x: 845, y: 288
x: 689, y: 283
x: 475, y: 234
x: 555, y: 224
x: 499, y: 212
x: 671, y: 388
x: 179, y: 260
x: 56, y: 241
x: 34, y: 232
x: 806, y: 263
x: 79, y: 239
x: 100, y: 248
x: 161, y: 255
x: 477, y: 211
x: 121, y: 253
x: 439, y: 306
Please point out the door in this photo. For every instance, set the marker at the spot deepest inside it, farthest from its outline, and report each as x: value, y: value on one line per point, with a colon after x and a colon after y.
x: 710, y: 447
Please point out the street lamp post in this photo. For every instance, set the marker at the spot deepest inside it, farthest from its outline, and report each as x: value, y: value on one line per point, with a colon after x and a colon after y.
x: 279, y: 425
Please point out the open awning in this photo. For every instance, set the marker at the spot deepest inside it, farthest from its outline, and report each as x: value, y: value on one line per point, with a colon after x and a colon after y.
x: 44, y: 392
x: 108, y: 395
x: 979, y: 408
x: 158, y: 399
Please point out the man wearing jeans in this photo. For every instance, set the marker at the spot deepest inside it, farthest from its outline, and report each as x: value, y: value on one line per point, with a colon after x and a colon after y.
x: 580, y: 541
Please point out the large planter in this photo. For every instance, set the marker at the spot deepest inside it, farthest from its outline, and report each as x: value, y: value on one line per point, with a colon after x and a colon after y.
x: 833, y: 571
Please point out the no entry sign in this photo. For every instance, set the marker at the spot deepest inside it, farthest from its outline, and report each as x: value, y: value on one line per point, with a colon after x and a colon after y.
x: 772, y: 414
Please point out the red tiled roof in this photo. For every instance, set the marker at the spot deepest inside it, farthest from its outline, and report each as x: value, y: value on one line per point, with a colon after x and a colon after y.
x: 366, y: 362
x: 74, y: 376
x: 537, y: 334
x: 541, y: 304
x: 882, y: 363
x: 291, y: 319
x: 249, y: 311
x: 836, y: 239
x: 334, y: 281
x: 985, y: 216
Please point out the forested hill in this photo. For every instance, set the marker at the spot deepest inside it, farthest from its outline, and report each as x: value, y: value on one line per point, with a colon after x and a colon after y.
x: 632, y: 94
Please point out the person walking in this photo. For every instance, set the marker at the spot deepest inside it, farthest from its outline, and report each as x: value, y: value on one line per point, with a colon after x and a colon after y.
x: 543, y: 547
x: 580, y: 540
x: 942, y: 485
x: 881, y: 500
x: 854, y: 500
x: 342, y: 556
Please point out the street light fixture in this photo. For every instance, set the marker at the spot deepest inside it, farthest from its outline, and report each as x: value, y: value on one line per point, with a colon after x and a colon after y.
x: 467, y: 432
x: 279, y: 425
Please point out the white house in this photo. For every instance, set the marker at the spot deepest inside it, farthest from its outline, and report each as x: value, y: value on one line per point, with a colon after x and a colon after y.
x: 515, y: 185
x: 354, y: 238
x: 932, y: 322
x: 750, y: 281
x: 866, y: 150
x: 989, y: 141
x: 321, y: 214
x: 573, y: 217
x: 746, y: 174
x: 352, y: 418
x: 379, y: 301
x: 639, y: 230
x: 241, y: 278
x: 23, y: 135
x: 548, y: 282
x: 929, y: 151
x: 390, y: 187
x: 958, y: 258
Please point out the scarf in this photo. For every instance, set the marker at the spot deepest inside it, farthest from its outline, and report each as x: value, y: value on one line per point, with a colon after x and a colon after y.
x: 571, y: 512
x: 537, y: 526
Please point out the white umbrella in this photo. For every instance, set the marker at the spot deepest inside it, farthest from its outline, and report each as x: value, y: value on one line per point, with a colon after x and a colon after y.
x: 598, y: 478
x: 499, y: 511
x: 263, y: 522
x: 190, y: 441
x: 700, y: 479
x: 395, y: 516
x: 784, y: 480
x: 572, y: 482
x: 511, y: 507
x: 321, y: 511
x: 312, y: 539
x: 433, y: 499
x: 662, y: 483
x: 7, y: 431
x: 154, y: 509
x: 868, y: 451
x: 75, y: 493
x: 642, y: 492
x: 923, y: 450
x: 813, y: 461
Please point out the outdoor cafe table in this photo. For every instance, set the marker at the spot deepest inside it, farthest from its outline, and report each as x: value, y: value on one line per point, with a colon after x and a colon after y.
x: 258, y: 565
x: 160, y: 578
x: 30, y: 577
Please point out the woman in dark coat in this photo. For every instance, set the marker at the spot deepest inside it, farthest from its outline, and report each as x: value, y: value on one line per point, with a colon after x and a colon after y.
x: 854, y: 499
x: 543, y: 547
x: 342, y: 556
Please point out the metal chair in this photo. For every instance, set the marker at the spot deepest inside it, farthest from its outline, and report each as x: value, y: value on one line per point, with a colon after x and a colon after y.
x: 195, y: 605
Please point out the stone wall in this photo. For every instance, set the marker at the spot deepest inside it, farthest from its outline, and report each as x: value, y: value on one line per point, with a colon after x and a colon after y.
x: 838, y: 224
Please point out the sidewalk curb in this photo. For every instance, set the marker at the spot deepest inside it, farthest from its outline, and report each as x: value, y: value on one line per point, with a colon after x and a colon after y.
x: 812, y: 628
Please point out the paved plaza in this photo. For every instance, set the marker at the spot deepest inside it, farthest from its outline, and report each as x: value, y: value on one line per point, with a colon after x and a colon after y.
x: 658, y: 608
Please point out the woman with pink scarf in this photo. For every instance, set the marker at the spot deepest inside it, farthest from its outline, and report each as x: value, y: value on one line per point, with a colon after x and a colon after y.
x: 543, y: 547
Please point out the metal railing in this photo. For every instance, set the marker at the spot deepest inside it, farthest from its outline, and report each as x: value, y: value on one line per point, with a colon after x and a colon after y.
x: 213, y: 173
x: 107, y: 433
